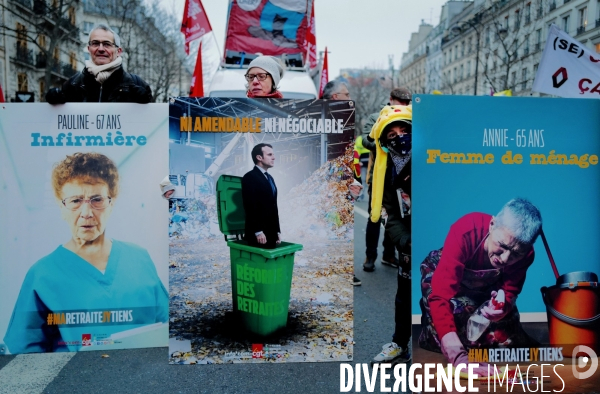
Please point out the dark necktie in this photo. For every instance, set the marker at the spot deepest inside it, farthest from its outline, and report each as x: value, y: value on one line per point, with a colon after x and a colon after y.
x: 271, y: 181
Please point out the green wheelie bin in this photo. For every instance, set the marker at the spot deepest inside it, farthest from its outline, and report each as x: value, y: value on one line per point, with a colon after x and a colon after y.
x: 261, y: 279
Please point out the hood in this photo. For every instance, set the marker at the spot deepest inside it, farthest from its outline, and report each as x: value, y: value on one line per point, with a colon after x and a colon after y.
x: 389, y: 114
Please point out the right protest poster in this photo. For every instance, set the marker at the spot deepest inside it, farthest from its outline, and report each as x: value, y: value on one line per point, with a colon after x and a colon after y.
x: 487, y: 176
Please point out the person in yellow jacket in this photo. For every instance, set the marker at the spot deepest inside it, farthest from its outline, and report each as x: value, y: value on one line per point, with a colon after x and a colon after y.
x: 391, y: 190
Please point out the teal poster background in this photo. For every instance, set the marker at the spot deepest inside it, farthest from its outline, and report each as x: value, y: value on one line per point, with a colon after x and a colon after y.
x: 566, y: 195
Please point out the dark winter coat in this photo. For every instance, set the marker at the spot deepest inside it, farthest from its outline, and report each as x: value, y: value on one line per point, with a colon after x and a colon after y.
x: 120, y: 87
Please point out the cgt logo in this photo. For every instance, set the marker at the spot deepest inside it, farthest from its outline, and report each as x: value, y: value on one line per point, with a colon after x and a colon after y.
x: 581, y: 362
x: 257, y: 350
x: 86, y: 339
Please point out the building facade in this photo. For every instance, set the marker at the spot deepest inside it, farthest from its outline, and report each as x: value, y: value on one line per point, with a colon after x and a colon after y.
x: 44, y: 42
x: 485, y: 46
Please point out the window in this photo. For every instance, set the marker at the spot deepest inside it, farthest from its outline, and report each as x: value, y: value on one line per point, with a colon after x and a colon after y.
x: 462, y: 49
x: 21, y: 36
x: 565, y: 24
x: 513, y: 78
x: 73, y: 60
x: 526, y: 45
x: 487, y: 35
x: 42, y: 41
x: 582, y: 20
x: 71, y: 13
x: 462, y: 69
x: 455, y: 52
x: 527, y: 13
x: 517, y: 22
x: 455, y: 74
x: 524, y: 79
x: 450, y: 55
x: 22, y: 85
x: 535, y: 68
x: 87, y: 27
x: 468, y: 69
x: 42, y: 89
x: 597, y: 48
x: 538, y: 39
x: 56, y: 55
x: 470, y: 47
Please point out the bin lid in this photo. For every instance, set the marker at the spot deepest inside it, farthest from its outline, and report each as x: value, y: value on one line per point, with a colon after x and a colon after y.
x: 230, y: 206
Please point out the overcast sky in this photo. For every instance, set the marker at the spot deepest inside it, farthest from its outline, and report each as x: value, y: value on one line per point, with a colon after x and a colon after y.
x: 357, y: 33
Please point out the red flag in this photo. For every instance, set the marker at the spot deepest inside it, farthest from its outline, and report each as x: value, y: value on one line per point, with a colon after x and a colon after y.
x: 310, y: 42
x: 324, y: 75
x: 263, y: 26
x: 197, y: 87
x: 1, y: 95
x: 195, y: 22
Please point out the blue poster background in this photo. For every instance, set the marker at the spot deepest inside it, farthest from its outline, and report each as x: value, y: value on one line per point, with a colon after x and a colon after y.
x: 566, y: 195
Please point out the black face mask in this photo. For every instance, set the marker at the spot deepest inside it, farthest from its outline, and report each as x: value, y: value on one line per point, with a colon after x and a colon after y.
x: 401, y: 144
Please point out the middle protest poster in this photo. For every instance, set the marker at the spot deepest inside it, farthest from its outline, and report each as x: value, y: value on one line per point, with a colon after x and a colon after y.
x: 230, y: 301
x: 468, y: 164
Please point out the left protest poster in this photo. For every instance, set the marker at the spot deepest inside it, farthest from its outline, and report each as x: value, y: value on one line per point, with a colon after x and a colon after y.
x: 75, y: 176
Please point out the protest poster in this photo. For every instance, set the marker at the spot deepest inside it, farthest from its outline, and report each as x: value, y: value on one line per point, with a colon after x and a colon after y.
x: 82, y: 227
x: 231, y: 302
x: 467, y: 165
x: 568, y: 68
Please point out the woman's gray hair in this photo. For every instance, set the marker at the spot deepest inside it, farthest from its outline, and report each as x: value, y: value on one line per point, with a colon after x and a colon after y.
x: 104, y: 27
x: 522, y: 219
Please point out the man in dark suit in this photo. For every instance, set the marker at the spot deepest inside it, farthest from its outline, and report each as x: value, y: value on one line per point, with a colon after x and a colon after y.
x: 259, y: 194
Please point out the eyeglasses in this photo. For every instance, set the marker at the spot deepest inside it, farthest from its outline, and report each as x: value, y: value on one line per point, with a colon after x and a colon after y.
x: 347, y: 94
x: 106, y: 44
x: 260, y: 76
x: 96, y: 202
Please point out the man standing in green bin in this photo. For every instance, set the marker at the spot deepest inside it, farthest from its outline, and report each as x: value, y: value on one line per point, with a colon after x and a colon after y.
x: 259, y: 195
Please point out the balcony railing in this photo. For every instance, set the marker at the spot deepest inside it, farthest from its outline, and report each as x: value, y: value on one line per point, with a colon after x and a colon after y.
x: 40, y: 60
x: 24, y: 3
x: 24, y: 55
x: 580, y: 29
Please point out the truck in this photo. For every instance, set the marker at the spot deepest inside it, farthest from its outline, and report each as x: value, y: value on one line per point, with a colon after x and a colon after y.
x: 229, y: 81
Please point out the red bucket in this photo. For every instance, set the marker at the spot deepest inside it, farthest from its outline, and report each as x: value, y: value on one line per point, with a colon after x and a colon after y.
x: 573, y: 308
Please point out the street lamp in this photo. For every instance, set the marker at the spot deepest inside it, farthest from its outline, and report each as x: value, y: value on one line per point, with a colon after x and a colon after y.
x: 475, y: 23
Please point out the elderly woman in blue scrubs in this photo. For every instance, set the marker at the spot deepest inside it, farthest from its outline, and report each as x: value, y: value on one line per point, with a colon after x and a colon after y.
x: 91, y: 286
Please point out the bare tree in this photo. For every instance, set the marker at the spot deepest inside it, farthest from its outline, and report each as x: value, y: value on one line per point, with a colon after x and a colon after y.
x: 152, y: 46
x: 369, y: 91
x: 46, y: 26
x: 507, y: 41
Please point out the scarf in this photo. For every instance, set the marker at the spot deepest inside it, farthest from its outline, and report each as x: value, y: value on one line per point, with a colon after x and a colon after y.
x: 275, y: 94
x: 103, y: 71
x: 400, y: 160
